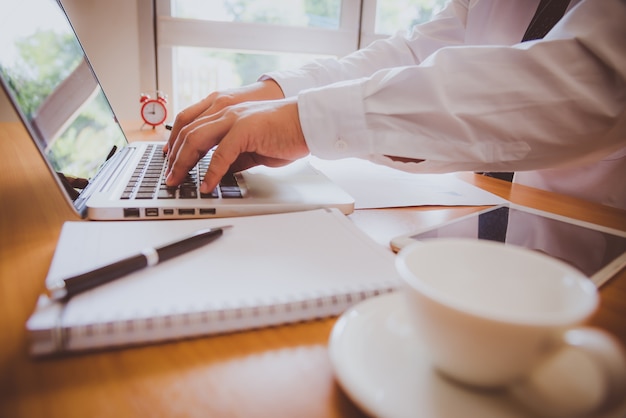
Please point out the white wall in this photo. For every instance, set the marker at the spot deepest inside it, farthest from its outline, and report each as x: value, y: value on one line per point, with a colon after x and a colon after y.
x: 111, y: 32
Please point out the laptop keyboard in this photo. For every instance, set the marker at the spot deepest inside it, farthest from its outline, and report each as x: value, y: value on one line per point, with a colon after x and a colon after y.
x: 148, y: 180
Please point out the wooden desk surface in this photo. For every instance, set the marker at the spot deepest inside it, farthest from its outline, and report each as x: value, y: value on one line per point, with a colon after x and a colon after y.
x: 281, y: 371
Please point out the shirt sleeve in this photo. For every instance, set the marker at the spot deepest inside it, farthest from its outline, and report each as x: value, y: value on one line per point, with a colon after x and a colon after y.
x: 527, y: 106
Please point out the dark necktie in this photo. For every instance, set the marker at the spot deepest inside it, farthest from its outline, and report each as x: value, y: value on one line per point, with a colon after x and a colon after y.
x: 548, y: 13
x: 490, y: 225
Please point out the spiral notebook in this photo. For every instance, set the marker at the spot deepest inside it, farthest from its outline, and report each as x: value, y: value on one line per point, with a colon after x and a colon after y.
x: 266, y: 270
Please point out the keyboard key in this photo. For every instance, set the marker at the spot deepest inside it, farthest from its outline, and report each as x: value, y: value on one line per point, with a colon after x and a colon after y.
x: 166, y: 194
x: 213, y: 195
x: 231, y: 195
x: 188, y: 193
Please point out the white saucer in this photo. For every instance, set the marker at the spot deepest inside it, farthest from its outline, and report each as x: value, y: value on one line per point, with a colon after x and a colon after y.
x: 381, y: 364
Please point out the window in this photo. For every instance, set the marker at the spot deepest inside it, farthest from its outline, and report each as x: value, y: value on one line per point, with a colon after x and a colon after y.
x: 395, y: 15
x: 324, y: 13
x: 207, y: 45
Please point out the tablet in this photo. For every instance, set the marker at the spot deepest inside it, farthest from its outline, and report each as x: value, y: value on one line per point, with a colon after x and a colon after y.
x: 599, y: 252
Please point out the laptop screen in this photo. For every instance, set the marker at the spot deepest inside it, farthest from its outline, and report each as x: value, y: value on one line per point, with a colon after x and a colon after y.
x: 52, y: 86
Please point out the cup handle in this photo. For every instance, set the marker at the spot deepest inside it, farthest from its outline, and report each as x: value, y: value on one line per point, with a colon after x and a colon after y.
x: 585, y: 377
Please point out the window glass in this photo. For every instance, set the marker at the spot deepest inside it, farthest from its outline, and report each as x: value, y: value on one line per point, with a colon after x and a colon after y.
x: 199, y: 71
x: 307, y: 13
x: 395, y: 15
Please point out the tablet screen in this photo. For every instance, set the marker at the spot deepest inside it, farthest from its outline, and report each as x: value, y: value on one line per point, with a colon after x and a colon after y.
x: 585, y: 247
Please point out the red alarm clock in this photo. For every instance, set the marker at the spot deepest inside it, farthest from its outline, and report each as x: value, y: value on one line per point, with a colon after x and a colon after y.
x: 153, y: 111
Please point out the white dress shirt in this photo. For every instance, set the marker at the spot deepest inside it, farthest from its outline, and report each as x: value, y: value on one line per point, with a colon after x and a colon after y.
x: 462, y: 93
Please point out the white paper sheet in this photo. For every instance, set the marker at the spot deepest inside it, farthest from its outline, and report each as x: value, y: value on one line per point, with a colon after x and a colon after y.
x: 376, y: 186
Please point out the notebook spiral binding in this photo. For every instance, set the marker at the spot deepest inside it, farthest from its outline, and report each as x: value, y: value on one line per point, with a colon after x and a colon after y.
x: 174, y: 326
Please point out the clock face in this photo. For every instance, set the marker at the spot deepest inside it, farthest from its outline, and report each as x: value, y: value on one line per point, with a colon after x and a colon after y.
x: 153, y: 112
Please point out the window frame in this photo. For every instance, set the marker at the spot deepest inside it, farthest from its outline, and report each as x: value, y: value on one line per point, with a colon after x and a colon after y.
x: 357, y: 29
x: 171, y: 32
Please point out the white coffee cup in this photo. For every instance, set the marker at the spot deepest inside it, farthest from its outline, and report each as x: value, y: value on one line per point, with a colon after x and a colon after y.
x: 494, y: 315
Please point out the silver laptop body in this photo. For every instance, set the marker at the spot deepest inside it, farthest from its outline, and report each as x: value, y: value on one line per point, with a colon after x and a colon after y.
x: 62, y: 105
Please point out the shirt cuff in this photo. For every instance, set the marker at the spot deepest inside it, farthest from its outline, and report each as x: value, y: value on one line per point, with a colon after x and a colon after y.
x: 333, y: 121
x: 291, y: 82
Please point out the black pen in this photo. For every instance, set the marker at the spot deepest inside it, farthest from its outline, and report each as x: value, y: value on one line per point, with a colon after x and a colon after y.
x: 66, y: 288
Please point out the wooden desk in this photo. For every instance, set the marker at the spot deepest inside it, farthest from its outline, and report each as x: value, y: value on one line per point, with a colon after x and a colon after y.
x: 282, y: 371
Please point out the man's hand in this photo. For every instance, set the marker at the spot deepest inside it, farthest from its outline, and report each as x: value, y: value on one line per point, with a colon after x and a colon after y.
x: 216, y: 101
x: 246, y: 135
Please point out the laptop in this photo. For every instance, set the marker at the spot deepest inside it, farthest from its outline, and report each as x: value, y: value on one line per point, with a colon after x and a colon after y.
x: 53, y: 88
